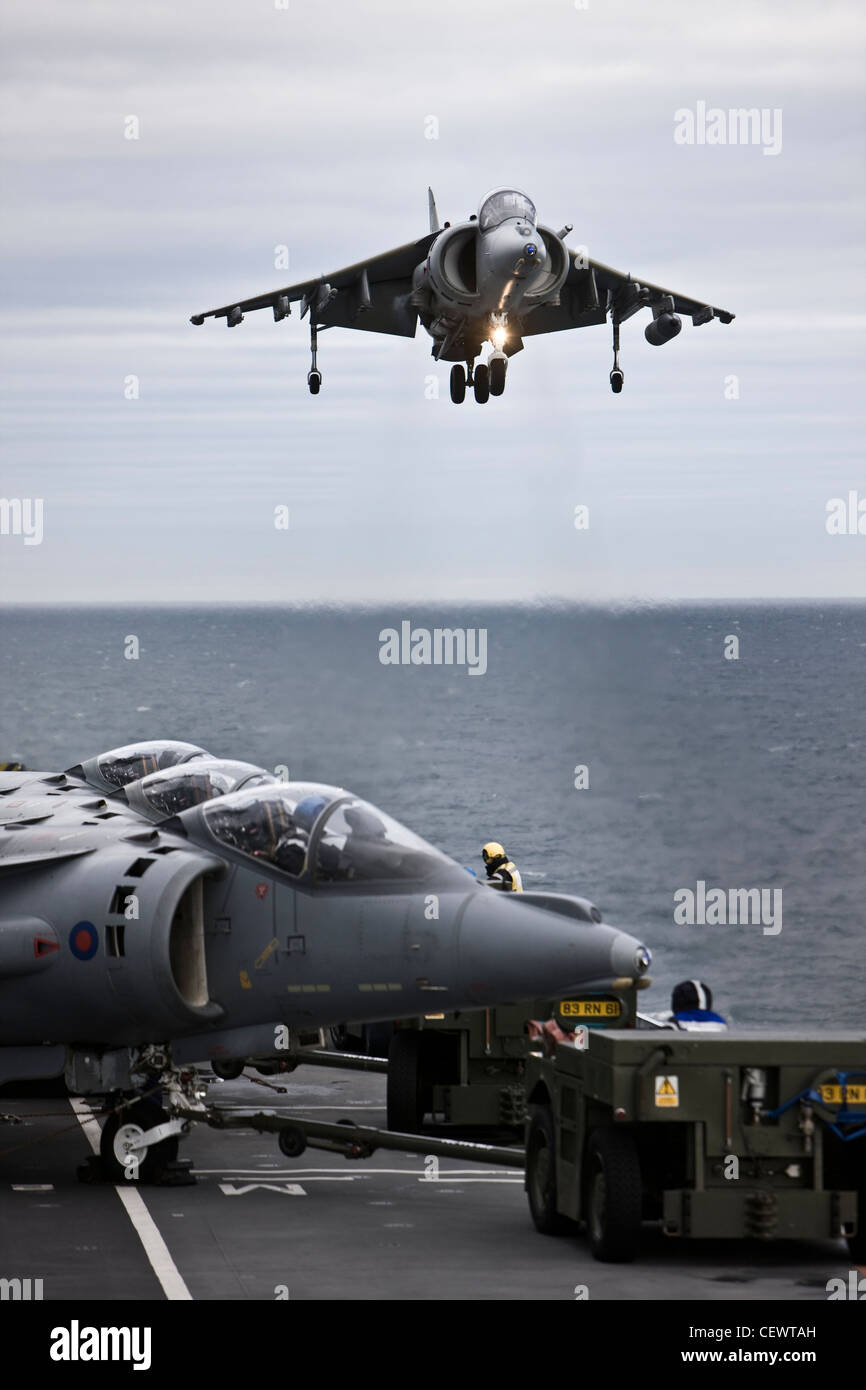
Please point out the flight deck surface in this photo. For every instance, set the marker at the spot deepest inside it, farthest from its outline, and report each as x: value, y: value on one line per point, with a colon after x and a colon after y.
x: 256, y: 1225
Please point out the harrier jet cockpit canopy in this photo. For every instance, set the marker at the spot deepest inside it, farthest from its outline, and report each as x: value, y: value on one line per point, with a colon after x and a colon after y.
x: 176, y: 789
x: 503, y: 203
x: 110, y: 771
x: 324, y: 835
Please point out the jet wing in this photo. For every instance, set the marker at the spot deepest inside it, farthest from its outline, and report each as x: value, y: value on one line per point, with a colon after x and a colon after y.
x: 591, y: 290
x: 372, y: 295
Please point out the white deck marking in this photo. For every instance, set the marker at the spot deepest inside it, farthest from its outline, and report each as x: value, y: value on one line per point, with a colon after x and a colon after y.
x: 285, y: 1189
x: 146, y: 1228
x: 33, y: 1187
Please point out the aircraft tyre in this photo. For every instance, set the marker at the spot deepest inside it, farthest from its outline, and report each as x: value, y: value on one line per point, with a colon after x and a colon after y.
x: 229, y: 1069
x: 126, y: 1124
x: 613, y: 1196
x: 314, y: 381
x: 405, y: 1090
x: 541, y: 1175
x: 481, y: 382
x: 616, y: 381
x: 497, y: 375
x: 458, y: 383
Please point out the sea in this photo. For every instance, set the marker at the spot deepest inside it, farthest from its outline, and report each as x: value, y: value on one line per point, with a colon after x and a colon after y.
x: 625, y: 754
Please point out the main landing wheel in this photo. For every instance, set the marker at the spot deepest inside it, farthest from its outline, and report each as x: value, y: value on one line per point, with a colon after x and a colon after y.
x: 497, y: 375
x: 458, y: 383
x: 481, y: 383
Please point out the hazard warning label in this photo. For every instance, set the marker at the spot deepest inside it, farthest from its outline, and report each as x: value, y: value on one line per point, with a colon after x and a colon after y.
x: 668, y: 1091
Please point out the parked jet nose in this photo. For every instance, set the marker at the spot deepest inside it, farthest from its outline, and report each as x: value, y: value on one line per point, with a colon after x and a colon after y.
x: 510, y: 950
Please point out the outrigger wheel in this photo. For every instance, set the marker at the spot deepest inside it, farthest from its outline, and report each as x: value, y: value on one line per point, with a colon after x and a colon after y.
x: 128, y: 1124
x: 314, y: 381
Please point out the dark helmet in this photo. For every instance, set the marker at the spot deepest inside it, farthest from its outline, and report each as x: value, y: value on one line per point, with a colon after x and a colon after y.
x: 691, y: 994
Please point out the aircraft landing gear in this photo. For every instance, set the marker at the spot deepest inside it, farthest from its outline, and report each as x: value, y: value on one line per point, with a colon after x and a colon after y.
x: 616, y: 377
x: 314, y: 376
x: 485, y: 380
x: 496, y: 365
x: 120, y: 1148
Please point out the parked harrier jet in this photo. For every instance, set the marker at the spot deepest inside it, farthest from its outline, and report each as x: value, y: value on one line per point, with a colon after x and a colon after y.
x: 498, y: 278
x: 130, y: 949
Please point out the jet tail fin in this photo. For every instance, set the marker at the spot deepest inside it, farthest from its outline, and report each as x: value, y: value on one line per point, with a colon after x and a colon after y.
x: 434, y: 216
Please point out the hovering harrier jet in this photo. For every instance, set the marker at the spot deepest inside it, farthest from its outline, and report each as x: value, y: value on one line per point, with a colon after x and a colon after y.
x: 161, y: 907
x: 497, y: 278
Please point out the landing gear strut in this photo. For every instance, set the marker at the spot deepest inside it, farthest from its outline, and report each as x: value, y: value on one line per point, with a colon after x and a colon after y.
x: 616, y: 377
x: 314, y: 376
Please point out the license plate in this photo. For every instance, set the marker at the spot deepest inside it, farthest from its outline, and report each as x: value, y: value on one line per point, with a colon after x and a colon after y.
x: 590, y: 1008
x: 832, y: 1095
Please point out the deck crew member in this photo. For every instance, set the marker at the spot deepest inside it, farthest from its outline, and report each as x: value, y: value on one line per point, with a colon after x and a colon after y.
x: 692, y: 1008
x: 501, y: 873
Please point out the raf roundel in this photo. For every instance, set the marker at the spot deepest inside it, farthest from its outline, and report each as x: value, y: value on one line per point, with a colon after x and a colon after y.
x: 83, y: 941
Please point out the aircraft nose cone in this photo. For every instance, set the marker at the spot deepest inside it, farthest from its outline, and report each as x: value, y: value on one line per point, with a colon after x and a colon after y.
x: 509, y: 950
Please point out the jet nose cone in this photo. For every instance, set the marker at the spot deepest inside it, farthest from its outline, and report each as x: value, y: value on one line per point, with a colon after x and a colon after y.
x: 510, y: 950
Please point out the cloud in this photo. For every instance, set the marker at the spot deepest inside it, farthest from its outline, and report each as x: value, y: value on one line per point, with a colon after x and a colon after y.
x: 305, y: 127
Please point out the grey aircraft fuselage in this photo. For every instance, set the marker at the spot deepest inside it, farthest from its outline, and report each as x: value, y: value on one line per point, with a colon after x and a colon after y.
x: 278, y: 904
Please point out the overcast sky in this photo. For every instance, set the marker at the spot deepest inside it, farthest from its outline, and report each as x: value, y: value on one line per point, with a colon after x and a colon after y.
x: 306, y: 127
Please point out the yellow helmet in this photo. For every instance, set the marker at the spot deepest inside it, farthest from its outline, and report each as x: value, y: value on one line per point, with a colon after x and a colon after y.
x: 492, y: 852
